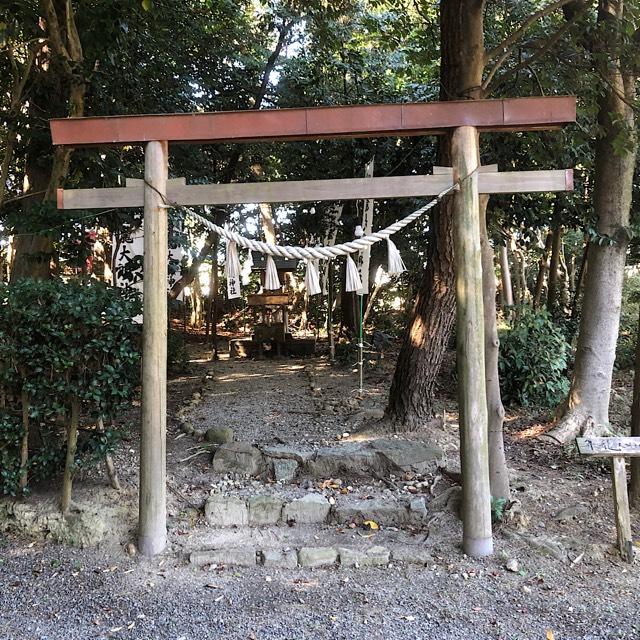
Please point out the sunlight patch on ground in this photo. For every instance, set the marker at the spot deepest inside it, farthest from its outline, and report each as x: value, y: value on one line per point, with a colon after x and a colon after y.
x: 533, y: 431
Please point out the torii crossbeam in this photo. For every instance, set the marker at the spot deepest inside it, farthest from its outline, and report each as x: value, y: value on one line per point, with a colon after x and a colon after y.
x: 464, y: 120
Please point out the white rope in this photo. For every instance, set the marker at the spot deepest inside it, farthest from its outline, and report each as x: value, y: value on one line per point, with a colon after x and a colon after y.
x: 323, y: 252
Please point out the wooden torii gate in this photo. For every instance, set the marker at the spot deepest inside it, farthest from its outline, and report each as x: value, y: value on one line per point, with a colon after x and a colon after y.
x: 464, y: 120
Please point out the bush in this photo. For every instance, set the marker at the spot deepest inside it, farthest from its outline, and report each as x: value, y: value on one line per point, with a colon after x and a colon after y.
x: 533, y: 360
x: 67, y: 351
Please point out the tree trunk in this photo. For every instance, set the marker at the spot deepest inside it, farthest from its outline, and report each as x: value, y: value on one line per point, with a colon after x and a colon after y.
x: 614, y: 166
x: 634, y: 488
x: 411, y: 396
x: 212, y: 315
x: 24, y: 448
x: 505, y: 275
x: 542, y: 270
x: 556, y: 247
x: 498, y: 472
x: 59, y: 90
x: 72, y: 444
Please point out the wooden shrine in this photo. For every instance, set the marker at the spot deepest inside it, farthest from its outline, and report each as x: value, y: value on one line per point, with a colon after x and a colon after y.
x: 462, y: 120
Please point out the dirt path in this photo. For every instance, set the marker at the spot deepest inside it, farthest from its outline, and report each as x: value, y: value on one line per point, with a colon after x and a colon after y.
x: 567, y: 579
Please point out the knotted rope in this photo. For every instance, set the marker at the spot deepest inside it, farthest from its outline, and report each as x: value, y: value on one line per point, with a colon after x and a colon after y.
x: 321, y: 252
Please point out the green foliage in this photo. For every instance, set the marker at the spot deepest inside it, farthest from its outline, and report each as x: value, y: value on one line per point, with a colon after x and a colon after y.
x: 62, y: 342
x: 177, y: 354
x: 533, y: 360
x: 498, y: 506
x: 628, y: 332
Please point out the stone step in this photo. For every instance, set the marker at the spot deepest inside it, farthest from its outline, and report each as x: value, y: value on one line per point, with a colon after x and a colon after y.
x: 313, y: 508
x: 375, y: 458
x: 310, y: 557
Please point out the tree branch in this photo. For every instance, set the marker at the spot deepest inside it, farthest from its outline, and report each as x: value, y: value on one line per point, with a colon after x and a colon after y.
x: 508, y: 44
x: 544, y: 47
x: 271, y: 62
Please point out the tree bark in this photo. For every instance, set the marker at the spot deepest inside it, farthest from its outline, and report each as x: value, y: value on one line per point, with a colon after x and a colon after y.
x: 33, y: 252
x: 614, y: 167
x: 410, y: 403
x: 542, y: 271
x: 634, y: 488
x: 505, y: 275
x: 556, y: 247
x: 72, y: 443
x: 498, y: 472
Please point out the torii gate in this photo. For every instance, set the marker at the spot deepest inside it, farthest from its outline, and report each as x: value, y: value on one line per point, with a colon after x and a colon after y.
x: 463, y: 119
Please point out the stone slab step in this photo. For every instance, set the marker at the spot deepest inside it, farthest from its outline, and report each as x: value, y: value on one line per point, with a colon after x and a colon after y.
x: 370, y: 459
x: 310, y: 557
x: 313, y: 508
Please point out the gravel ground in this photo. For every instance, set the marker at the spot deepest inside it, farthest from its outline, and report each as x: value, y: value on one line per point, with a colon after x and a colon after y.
x: 54, y: 593
x: 51, y: 592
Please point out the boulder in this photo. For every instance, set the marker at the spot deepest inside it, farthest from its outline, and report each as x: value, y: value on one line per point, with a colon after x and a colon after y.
x: 409, y: 455
x: 284, y: 470
x: 219, y: 435
x: 239, y: 457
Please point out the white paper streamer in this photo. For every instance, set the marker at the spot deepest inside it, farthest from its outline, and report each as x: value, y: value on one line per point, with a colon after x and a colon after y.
x: 312, y: 278
x: 271, y: 280
x: 353, y: 276
x: 395, y: 263
x: 232, y: 271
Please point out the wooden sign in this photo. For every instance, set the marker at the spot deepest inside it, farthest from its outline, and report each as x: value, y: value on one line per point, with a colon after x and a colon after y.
x: 609, y: 447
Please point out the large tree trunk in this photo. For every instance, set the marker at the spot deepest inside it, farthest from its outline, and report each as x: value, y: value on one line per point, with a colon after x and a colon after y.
x: 411, y: 396
x: 588, y: 400
x: 59, y: 90
x: 498, y: 472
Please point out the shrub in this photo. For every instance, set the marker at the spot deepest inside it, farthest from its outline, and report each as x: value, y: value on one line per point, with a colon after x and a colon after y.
x: 533, y: 360
x: 67, y: 351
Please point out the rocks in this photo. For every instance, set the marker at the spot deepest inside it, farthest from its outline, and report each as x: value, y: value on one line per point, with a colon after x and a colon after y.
x: 223, y: 511
x: 348, y: 459
x: 239, y: 457
x: 547, y: 546
x: 385, y: 511
x: 572, y: 512
x: 373, y: 557
x: 312, y: 509
x: 279, y: 559
x: 317, y: 556
x: 409, y: 455
x: 239, y: 557
x: 219, y: 435
x: 284, y: 470
x: 353, y: 459
x: 512, y: 565
x: 449, y: 500
x: 264, y: 510
x: 417, y: 511
x: 85, y: 526
x: 412, y: 555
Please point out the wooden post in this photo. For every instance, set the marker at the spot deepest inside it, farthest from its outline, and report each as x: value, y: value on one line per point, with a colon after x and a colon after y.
x: 152, y: 533
x: 621, y: 506
x: 474, y: 451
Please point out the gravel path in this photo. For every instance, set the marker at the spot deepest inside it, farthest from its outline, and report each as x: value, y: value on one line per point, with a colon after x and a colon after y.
x: 51, y: 592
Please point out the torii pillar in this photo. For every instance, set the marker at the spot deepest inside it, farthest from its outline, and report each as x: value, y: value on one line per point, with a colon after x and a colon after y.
x: 463, y: 119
